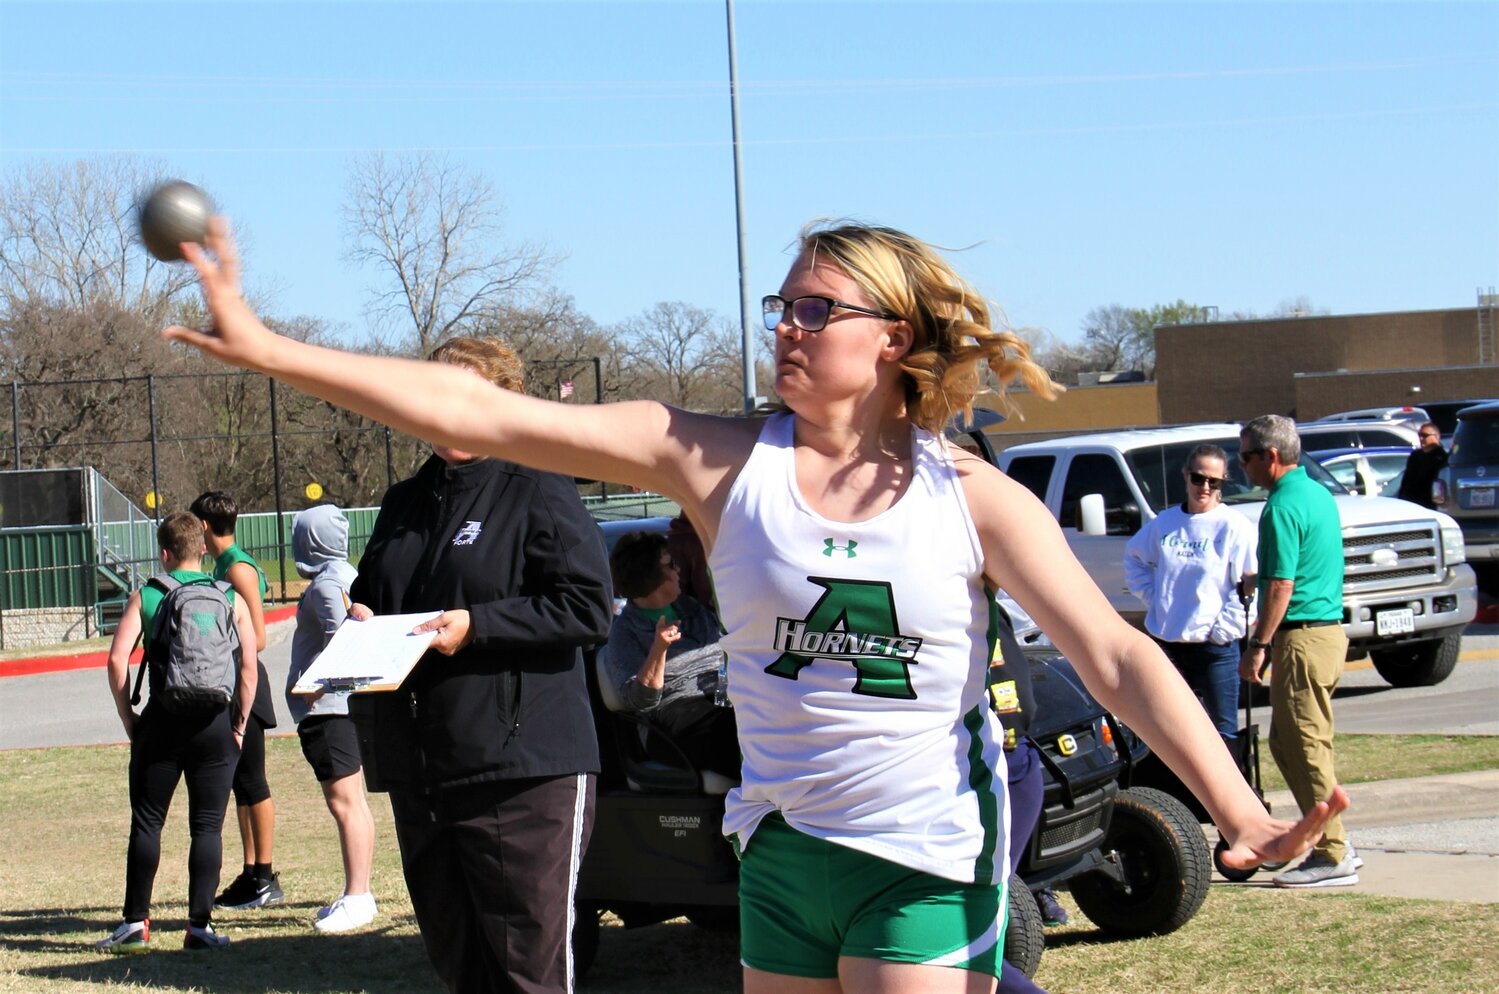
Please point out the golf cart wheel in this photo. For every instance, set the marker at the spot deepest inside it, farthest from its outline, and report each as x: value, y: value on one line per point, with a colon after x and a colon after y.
x: 1025, y: 933
x: 586, y: 927
x: 1228, y: 872
x: 1419, y: 664
x: 1165, y: 863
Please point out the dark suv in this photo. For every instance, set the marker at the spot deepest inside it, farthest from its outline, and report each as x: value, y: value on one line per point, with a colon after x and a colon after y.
x: 1468, y: 488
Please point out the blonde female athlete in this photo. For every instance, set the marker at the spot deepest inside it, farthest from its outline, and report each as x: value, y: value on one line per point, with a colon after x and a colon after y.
x: 856, y: 556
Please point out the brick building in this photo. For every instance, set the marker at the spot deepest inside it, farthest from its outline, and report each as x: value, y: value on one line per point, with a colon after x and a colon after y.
x: 1308, y: 367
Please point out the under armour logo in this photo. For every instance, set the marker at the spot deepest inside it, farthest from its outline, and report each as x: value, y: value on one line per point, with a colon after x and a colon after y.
x: 847, y: 550
x: 468, y: 533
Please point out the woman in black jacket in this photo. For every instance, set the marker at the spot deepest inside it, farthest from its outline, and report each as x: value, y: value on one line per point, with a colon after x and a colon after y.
x: 489, y: 754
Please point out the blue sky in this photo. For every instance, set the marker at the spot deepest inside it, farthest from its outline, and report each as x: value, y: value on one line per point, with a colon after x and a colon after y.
x: 1237, y: 155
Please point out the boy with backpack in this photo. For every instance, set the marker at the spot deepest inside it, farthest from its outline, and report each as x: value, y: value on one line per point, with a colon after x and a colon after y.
x: 201, y: 661
x: 257, y: 885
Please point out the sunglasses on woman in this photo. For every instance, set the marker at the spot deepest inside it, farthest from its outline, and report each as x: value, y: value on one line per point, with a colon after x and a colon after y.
x: 808, y: 313
x: 1211, y: 482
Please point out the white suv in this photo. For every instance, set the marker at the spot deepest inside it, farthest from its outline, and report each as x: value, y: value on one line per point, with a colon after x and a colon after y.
x: 1413, y: 417
x: 1317, y: 435
x: 1408, y: 591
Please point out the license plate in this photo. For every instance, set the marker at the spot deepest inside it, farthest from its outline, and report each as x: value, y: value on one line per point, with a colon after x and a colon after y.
x: 1401, y: 622
x: 1481, y: 498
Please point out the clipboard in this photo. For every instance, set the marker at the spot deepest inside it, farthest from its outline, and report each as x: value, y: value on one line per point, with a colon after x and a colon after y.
x: 364, y: 656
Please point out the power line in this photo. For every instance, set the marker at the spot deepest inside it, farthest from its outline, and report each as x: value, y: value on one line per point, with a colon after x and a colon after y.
x: 821, y: 139
x: 555, y: 89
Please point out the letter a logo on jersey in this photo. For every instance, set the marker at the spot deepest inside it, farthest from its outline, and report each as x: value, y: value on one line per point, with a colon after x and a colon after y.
x: 853, y: 620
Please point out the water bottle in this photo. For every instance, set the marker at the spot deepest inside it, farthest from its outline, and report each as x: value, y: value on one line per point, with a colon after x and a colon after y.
x: 721, y: 692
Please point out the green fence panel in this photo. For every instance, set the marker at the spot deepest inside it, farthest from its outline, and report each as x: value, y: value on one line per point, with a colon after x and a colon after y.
x: 259, y: 535
x: 56, y: 567
x: 47, y: 567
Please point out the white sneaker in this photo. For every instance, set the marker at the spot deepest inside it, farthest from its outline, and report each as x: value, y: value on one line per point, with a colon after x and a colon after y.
x: 1317, y: 870
x: 349, y: 912
x: 128, y: 937
x: 1355, y: 858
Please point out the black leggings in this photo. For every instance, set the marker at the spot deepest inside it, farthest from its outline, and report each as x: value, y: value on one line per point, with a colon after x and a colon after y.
x: 249, y: 773
x: 165, y: 749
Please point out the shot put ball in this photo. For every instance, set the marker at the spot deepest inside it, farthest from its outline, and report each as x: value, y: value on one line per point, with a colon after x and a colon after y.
x: 173, y: 213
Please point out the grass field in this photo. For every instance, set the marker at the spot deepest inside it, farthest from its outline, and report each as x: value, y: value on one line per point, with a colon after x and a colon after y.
x: 64, y: 818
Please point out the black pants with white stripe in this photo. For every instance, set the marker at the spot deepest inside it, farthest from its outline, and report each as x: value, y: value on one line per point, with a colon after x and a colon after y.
x: 492, y: 869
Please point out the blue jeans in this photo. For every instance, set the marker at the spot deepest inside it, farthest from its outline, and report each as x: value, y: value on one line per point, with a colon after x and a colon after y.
x: 1212, y: 671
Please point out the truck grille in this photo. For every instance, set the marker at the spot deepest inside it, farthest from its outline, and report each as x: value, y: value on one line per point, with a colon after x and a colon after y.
x: 1368, y: 564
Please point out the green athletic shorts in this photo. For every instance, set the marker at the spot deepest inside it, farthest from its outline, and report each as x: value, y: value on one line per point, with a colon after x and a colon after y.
x: 804, y: 902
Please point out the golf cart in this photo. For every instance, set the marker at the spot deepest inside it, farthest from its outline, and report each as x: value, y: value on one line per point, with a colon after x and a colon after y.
x: 1134, y: 858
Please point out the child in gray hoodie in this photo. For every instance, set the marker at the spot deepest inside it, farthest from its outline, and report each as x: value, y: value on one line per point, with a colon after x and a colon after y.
x: 320, y: 544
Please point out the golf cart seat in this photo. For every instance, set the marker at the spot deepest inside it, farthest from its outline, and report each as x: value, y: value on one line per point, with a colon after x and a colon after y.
x: 636, y: 740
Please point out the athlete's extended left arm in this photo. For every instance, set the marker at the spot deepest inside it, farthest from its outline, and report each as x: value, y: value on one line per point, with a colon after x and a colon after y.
x: 1027, y: 556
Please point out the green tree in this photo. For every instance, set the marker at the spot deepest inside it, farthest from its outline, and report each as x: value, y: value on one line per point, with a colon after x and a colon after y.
x: 1119, y: 338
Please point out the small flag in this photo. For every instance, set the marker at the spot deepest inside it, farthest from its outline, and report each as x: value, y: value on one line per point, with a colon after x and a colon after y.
x: 567, y: 389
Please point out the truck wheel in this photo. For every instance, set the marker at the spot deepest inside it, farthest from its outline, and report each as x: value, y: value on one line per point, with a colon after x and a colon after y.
x: 1419, y: 664
x: 1164, y: 857
x: 1025, y: 933
x: 1228, y: 872
x: 586, y: 926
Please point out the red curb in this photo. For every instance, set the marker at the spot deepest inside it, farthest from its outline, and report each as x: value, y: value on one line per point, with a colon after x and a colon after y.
x: 97, y: 660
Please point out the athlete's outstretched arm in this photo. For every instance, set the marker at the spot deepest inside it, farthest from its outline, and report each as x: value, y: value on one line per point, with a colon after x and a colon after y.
x: 1026, y: 554
x: 650, y: 445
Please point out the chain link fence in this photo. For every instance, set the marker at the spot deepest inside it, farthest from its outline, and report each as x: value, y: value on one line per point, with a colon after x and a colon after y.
x: 89, y: 467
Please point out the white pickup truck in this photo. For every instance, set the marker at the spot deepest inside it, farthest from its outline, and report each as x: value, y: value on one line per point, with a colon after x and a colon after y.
x: 1408, y: 591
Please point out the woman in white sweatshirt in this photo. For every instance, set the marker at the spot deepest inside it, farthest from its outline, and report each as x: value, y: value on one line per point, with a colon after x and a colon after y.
x: 1188, y: 566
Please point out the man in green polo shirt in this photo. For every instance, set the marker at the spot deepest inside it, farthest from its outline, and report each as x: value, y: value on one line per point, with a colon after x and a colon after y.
x: 1300, y: 624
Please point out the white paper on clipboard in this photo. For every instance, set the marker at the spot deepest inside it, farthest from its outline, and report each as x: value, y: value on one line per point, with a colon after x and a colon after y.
x: 375, y: 654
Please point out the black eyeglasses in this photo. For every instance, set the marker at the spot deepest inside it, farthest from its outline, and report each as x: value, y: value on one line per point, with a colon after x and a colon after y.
x: 808, y: 313
x: 668, y: 563
x: 1211, y: 482
x: 1244, y: 454
x: 1427, y: 434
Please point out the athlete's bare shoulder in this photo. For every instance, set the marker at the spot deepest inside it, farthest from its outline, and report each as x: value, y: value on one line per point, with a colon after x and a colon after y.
x: 705, y: 455
x: 995, y: 500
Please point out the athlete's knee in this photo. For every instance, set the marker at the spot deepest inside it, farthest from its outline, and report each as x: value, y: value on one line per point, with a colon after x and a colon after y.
x: 251, y: 791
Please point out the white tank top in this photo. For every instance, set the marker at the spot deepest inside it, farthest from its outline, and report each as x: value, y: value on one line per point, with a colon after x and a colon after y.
x: 858, y: 655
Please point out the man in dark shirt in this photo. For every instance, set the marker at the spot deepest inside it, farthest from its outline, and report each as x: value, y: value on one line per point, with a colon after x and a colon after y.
x: 1422, y: 467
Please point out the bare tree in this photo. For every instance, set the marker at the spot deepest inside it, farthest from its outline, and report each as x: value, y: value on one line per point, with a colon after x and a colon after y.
x: 1111, y: 337
x: 70, y: 405
x: 559, y: 344
x: 68, y: 236
x: 683, y: 355
x: 433, y: 232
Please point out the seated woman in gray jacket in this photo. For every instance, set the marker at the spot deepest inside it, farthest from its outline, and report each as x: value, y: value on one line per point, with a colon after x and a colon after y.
x: 663, y: 654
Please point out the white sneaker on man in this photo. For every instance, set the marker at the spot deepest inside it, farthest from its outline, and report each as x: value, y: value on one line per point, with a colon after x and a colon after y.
x: 349, y: 912
x: 1318, y: 870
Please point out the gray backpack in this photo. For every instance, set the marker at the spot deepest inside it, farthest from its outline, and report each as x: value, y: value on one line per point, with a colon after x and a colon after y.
x: 193, y: 646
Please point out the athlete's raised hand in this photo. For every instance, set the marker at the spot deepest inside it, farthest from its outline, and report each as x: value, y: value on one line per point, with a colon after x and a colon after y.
x: 234, y: 334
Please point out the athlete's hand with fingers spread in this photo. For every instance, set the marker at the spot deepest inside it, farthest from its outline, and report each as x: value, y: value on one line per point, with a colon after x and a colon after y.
x: 234, y: 334
x: 1273, y: 840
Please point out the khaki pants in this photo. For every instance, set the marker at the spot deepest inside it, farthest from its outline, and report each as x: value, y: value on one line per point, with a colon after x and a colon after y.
x: 1307, y: 663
